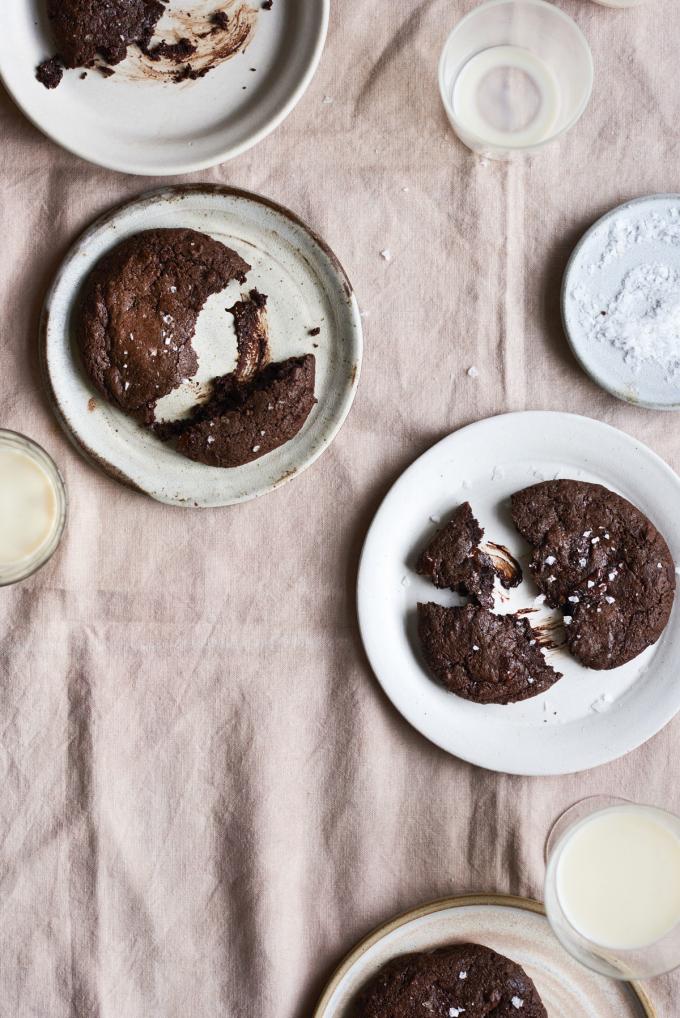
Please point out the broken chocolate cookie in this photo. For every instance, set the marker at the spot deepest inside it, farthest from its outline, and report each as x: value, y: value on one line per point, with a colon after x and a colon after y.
x: 138, y: 312
x: 482, y: 656
x: 603, y: 563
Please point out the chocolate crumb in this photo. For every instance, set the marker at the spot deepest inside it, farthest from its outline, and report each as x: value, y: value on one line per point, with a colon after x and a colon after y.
x: 188, y: 73
x: 175, y: 51
x: 219, y: 21
x: 314, y: 332
x: 50, y: 72
x: 106, y: 72
x: 267, y: 5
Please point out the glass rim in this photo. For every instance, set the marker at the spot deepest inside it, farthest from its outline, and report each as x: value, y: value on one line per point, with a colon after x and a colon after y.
x: 624, y: 804
x: 43, y: 555
x: 554, y: 11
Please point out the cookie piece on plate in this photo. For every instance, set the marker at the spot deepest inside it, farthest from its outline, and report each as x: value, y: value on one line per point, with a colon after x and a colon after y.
x: 138, y: 312
x: 466, y: 980
x: 87, y: 29
x: 453, y: 558
x: 243, y: 421
x: 481, y: 656
x: 603, y: 563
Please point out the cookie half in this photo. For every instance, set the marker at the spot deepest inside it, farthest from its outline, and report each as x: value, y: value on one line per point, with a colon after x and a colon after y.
x: 138, y: 312
x: 481, y: 656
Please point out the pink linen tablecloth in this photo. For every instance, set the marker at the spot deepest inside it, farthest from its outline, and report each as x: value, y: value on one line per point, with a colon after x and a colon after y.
x: 205, y: 799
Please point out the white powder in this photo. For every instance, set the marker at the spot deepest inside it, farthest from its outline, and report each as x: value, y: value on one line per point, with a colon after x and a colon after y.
x: 642, y: 319
x: 623, y: 236
x: 473, y: 372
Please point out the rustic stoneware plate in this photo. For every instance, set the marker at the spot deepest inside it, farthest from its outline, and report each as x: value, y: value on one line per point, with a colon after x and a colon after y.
x: 588, y: 717
x: 139, y: 120
x: 515, y: 927
x: 640, y: 233
x: 307, y: 289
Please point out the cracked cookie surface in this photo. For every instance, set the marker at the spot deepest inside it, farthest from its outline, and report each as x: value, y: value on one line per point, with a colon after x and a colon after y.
x: 87, y: 29
x: 454, y: 560
x: 243, y: 421
x: 481, y: 656
x: 603, y: 563
x: 466, y: 980
x: 138, y: 312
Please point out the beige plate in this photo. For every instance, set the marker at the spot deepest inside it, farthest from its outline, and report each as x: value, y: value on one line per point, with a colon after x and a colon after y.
x: 516, y: 927
x: 307, y: 289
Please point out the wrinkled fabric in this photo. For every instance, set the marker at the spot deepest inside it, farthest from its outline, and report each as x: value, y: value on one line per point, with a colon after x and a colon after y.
x: 205, y: 799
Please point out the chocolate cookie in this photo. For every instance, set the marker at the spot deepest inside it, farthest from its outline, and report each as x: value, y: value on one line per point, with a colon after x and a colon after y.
x: 462, y: 980
x: 86, y: 29
x: 481, y: 656
x: 243, y: 421
x: 138, y: 312
x: 602, y: 562
x: 453, y: 559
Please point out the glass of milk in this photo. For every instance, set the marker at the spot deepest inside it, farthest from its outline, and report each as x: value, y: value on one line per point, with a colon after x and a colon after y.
x: 33, y: 507
x: 514, y: 75
x: 612, y: 892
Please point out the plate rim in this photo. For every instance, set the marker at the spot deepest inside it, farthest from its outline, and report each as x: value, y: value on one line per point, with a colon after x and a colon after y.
x: 430, y: 908
x: 601, y: 382
x: 416, y: 724
x: 195, y: 165
x: 168, y: 192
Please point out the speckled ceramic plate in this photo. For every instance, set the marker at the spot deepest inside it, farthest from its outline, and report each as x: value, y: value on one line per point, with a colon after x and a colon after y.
x: 604, y: 265
x: 139, y: 120
x: 588, y: 717
x: 307, y: 289
x: 517, y: 928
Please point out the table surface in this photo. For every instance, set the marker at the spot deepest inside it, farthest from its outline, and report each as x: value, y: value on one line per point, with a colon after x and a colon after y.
x: 205, y: 798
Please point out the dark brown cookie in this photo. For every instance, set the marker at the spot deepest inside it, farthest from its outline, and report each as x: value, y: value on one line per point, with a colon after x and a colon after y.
x: 454, y: 559
x: 138, y: 312
x: 87, y: 29
x: 243, y: 421
x: 481, y: 656
x: 465, y: 980
x: 603, y: 563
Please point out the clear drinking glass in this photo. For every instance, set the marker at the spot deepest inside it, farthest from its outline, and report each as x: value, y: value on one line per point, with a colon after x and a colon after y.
x: 612, y: 890
x: 33, y: 507
x: 514, y: 75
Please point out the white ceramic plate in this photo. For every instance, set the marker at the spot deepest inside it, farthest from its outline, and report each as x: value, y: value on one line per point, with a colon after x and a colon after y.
x: 516, y: 928
x: 638, y: 233
x: 135, y: 123
x: 588, y: 717
x: 307, y: 289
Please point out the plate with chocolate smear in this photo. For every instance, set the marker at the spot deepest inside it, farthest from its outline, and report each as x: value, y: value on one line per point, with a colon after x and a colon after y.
x: 160, y: 87
x: 517, y: 593
x: 202, y: 345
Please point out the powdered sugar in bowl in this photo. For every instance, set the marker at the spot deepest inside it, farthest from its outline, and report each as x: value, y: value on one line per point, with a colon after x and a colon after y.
x: 621, y: 302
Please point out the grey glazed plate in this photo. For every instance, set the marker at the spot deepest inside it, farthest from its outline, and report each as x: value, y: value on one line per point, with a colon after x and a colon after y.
x: 307, y: 289
x: 515, y: 927
x: 139, y: 120
x: 593, y: 277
